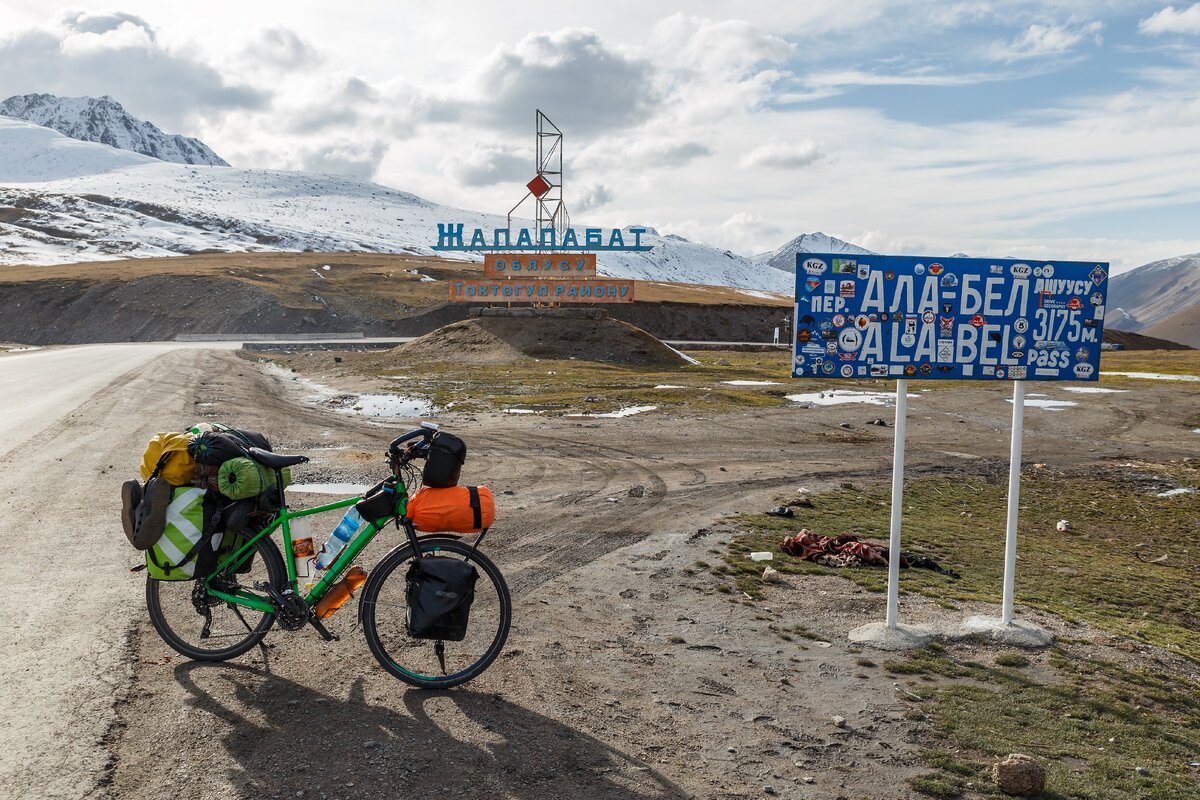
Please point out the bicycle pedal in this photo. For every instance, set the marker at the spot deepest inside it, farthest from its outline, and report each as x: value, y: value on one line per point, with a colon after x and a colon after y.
x: 321, y: 629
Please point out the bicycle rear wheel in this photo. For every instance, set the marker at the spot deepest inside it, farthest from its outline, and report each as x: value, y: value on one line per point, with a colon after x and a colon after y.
x: 206, y: 628
x: 383, y: 610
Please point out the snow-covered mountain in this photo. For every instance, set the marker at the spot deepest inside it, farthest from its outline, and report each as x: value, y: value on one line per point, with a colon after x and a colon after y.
x: 784, y: 258
x: 63, y: 200
x: 105, y: 121
x: 1154, y: 292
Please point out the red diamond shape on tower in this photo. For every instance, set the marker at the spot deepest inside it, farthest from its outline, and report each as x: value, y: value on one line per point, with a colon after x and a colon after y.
x: 538, y: 186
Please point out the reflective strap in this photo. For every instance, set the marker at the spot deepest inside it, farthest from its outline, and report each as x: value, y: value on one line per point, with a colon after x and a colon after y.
x: 476, y: 509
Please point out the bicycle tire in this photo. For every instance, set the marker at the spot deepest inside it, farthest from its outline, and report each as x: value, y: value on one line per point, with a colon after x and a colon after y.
x: 382, y: 610
x: 172, y: 611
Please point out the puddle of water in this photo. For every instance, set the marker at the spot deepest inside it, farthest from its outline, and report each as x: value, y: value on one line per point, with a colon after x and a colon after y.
x: 751, y: 383
x: 1092, y: 390
x: 387, y: 405
x: 1175, y: 492
x: 837, y: 397
x: 628, y: 411
x: 1154, y: 376
x: 346, y: 489
x: 1049, y: 405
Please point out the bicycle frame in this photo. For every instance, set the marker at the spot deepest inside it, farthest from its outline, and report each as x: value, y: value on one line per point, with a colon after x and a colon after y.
x: 322, y: 587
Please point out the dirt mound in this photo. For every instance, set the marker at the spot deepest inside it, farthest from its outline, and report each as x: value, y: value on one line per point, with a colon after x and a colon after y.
x: 496, y: 340
x: 1140, y: 341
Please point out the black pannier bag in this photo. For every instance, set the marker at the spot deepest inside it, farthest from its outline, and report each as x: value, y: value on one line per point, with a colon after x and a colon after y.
x: 440, y: 593
x: 444, y: 462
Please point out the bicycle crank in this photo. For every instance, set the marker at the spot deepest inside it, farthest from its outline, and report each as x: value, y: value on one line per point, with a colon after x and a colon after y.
x: 291, y: 612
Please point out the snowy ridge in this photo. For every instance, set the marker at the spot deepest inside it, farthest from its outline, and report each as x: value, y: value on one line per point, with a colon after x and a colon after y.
x: 1155, y: 292
x: 63, y: 201
x: 105, y: 121
x: 784, y: 258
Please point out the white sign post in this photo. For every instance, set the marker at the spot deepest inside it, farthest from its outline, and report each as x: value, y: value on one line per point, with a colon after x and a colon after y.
x: 1014, y: 500
x: 893, y: 591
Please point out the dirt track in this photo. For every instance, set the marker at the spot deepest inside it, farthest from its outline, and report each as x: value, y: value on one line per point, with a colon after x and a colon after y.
x: 624, y: 676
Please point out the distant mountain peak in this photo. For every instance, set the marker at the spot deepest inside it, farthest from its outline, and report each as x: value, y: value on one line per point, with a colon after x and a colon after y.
x: 104, y: 120
x: 784, y: 257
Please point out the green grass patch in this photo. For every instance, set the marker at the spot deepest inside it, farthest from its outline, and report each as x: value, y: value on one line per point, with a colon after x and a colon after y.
x: 937, y: 785
x: 1090, y: 725
x: 1012, y: 660
x: 1091, y: 574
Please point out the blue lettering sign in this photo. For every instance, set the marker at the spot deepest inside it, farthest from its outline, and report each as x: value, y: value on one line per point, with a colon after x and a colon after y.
x: 452, y: 237
x: 949, y: 318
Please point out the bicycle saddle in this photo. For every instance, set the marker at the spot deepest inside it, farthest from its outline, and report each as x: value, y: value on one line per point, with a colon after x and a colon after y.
x: 275, y: 460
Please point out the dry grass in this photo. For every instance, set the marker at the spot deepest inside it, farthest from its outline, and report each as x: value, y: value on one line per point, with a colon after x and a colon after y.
x: 380, y: 276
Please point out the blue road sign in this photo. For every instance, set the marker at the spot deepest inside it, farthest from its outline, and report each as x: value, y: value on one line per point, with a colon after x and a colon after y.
x: 957, y: 318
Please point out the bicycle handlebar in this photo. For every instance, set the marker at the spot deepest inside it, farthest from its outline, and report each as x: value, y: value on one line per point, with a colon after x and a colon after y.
x: 427, y: 429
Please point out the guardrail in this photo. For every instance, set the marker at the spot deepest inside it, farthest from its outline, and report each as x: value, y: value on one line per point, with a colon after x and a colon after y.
x: 265, y: 337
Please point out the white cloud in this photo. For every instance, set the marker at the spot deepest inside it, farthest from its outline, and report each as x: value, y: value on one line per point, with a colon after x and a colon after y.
x: 574, y: 76
x: 783, y: 155
x: 348, y: 158
x: 591, y: 198
x: 731, y: 48
x: 1168, y: 20
x: 1040, y: 40
x: 490, y: 164
x: 121, y: 55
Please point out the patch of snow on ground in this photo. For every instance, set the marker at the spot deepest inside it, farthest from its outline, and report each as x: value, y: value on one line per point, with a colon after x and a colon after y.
x: 683, y: 355
x: 758, y: 294
x: 1154, y: 376
x: 1175, y: 492
x: 837, y: 397
x: 669, y: 386
x: 519, y: 411
x: 628, y: 411
x: 1049, y: 405
x: 1092, y: 390
x: 751, y: 383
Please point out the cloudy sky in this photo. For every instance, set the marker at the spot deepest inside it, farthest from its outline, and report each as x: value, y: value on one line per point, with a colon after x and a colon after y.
x: 1066, y: 130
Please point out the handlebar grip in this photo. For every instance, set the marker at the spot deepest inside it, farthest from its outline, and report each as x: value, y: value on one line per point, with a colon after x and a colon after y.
x: 399, y: 440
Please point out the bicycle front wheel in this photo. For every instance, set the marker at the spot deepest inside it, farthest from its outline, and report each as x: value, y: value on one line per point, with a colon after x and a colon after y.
x: 197, y: 625
x: 429, y: 664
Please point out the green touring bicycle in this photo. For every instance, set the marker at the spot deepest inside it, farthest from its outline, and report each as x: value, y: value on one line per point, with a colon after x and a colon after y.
x: 254, y: 587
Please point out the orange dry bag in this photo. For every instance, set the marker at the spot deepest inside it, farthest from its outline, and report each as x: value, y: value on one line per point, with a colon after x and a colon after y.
x: 458, y: 509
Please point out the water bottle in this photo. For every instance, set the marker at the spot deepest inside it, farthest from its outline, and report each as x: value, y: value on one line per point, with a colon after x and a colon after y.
x: 342, y: 591
x: 340, y: 537
x: 303, y: 552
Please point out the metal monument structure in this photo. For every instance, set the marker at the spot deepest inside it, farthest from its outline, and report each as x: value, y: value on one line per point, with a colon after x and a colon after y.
x: 546, y: 188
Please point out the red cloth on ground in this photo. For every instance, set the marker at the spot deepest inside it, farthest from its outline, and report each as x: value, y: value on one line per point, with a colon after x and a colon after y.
x: 810, y: 547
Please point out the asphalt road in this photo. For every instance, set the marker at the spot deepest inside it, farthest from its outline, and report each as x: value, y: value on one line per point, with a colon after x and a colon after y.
x: 67, y: 416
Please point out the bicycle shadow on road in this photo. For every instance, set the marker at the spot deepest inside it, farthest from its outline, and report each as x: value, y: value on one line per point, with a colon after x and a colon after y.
x: 282, y: 738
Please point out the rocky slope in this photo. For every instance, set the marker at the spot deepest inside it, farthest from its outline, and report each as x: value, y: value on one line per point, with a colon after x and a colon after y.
x: 105, y: 121
x: 1154, y: 292
x: 784, y: 257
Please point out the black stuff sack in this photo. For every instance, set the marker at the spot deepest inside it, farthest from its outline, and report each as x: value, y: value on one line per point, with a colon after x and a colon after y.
x: 444, y: 462
x: 440, y: 592
x: 218, y: 446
